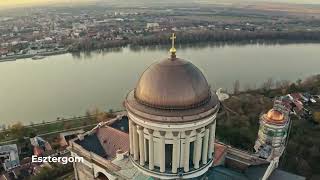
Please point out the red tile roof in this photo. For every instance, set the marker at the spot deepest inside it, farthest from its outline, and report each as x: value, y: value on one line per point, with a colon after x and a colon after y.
x: 37, y: 151
x: 112, y: 140
x: 219, y: 150
x: 296, y: 96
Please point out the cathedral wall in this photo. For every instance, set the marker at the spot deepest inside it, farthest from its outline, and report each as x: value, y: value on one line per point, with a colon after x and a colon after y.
x: 98, y: 169
x: 84, y: 172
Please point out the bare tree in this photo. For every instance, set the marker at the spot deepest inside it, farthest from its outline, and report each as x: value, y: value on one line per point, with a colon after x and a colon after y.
x: 282, y: 84
x: 236, y: 87
x: 268, y: 84
x: 247, y: 87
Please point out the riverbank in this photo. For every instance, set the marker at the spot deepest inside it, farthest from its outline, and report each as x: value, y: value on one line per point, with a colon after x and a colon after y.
x: 190, y: 38
x: 23, y: 56
x: 198, y: 36
x: 17, y: 131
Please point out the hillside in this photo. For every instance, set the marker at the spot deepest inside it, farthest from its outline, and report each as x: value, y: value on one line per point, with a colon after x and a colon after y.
x: 239, y: 121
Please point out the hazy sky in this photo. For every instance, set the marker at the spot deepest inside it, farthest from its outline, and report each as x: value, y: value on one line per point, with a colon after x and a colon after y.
x: 15, y: 3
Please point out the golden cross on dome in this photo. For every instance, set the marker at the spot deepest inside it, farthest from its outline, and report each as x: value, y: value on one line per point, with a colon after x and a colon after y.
x: 173, y: 38
x: 173, y: 49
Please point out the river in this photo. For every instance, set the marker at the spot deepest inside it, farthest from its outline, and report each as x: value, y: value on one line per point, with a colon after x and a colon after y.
x: 68, y: 85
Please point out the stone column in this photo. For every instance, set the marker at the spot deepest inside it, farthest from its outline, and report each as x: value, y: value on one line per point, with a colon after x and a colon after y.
x: 186, y: 151
x: 205, y: 146
x: 175, y: 153
x: 198, y: 149
x: 141, y: 145
x: 151, y: 150
x: 130, y: 137
x: 194, y: 150
x: 162, y: 151
x: 212, y: 133
x: 135, y: 143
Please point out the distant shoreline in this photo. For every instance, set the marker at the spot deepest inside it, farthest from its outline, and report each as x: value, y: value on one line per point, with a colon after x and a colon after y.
x: 23, y: 56
x: 199, y: 36
x: 181, y: 45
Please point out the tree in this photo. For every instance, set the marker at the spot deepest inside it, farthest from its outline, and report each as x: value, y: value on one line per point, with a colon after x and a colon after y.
x: 54, y: 172
x: 66, y: 125
x: 3, y: 127
x: 268, y: 84
x: 293, y: 88
x: 101, y: 116
x: 282, y: 84
x: 18, y: 130
x: 89, y: 115
x: 299, y: 81
x: 316, y: 117
x: 236, y: 87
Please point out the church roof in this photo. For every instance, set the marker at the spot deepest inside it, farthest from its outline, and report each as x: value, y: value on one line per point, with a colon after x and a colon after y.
x: 275, y: 117
x: 173, y: 83
x: 112, y: 140
x: 91, y: 143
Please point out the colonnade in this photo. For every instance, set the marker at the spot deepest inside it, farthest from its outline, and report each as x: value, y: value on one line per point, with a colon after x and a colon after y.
x: 203, y: 148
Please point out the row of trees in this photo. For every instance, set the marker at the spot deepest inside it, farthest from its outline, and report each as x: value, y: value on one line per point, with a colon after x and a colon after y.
x: 197, y: 36
x: 53, y: 173
x: 269, y: 84
x: 96, y: 115
x: 227, y: 36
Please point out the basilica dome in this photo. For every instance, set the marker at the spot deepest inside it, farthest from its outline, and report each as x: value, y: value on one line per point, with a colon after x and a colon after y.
x: 172, y: 83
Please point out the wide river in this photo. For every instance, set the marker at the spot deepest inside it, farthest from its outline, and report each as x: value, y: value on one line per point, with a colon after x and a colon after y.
x: 68, y: 85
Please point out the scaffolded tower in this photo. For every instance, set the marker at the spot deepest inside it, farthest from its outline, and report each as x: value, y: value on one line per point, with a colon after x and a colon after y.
x: 273, y: 131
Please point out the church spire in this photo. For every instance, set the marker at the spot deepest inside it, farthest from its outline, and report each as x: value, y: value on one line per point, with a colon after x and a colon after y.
x: 173, y: 49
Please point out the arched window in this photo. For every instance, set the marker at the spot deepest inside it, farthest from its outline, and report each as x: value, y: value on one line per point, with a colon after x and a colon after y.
x: 101, y: 176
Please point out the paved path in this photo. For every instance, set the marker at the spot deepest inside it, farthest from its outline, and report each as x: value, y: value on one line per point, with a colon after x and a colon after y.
x: 119, y: 114
x: 50, y: 133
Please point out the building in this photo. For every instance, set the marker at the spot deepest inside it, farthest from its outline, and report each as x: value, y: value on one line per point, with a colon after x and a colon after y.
x: 272, y: 134
x: 40, y: 146
x: 64, y: 137
x: 171, y: 135
x: 152, y: 25
x: 9, y: 157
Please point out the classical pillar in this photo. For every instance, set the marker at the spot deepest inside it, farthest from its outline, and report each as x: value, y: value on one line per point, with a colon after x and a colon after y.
x: 130, y: 137
x: 205, y: 146
x: 141, y: 145
x: 135, y: 142
x: 194, y: 151
x: 151, y: 150
x: 175, y: 153
x: 162, y: 151
x: 186, y: 151
x: 212, y: 128
x: 198, y: 149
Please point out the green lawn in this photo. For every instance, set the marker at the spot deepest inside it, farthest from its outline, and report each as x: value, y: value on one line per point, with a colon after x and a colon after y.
x: 39, y: 129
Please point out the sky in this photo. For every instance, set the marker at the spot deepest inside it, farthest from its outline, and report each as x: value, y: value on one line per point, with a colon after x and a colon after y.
x: 22, y: 3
